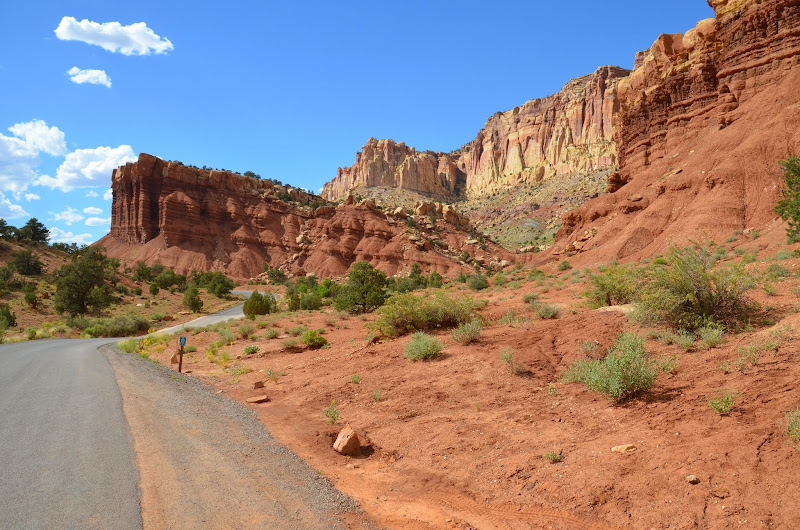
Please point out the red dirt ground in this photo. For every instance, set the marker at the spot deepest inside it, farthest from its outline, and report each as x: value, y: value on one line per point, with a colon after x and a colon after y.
x: 458, y: 442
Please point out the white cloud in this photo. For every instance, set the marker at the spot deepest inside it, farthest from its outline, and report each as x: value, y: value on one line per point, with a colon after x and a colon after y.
x: 19, y: 154
x: 31, y: 197
x: 37, y: 136
x: 69, y: 216
x: 9, y: 210
x: 93, y: 77
x: 92, y: 194
x: 97, y: 221
x: 135, y: 39
x: 91, y: 210
x: 59, y: 236
x: 87, y: 167
x: 108, y: 195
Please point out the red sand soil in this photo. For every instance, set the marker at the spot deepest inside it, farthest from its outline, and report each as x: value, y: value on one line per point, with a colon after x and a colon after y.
x: 458, y: 442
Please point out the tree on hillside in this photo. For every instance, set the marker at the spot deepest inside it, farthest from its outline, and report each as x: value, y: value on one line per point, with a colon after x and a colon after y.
x: 364, y: 291
x: 191, y: 298
x: 81, y: 284
x: 789, y: 207
x: 34, y: 231
x: 26, y: 263
x: 259, y: 304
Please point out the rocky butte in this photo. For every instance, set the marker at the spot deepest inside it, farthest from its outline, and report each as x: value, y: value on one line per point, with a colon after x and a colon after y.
x: 188, y: 218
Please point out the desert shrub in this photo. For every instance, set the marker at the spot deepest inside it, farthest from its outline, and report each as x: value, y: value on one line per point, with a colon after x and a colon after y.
x: 168, y: 278
x: 564, y: 265
x: 355, y: 379
x: 272, y: 333
x: 686, y: 293
x: 153, y: 289
x: 26, y: 263
x: 554, y: 457
x: 275, y: 275
x: 500, y: 279
x: 435, y: 280
x: 530, y: 298
x: 684, y: 339
x: 215, y: 283
x: 119, y: 326
x: 331, y: 412
x: 245, y: 330
x: 291, y: 344
x: 467, y: 332
x: 711, y: 334
x: 616, y: 284
x: 29, y: 295
x: 405, y: 313
x: 191, y: 299
x: 250, y: 350
x: 364, y: 291
x: 722, y: 400
x: 626, y: 370
x: 297, y: 331
x: 545, y: 311
x: 478, y: 282
x: 81, y: 283
x: 313, y: 339
x: 310, y: 301
x: 789, y: 206
x: 462, y: 278
x: 422, y: 346
x: 127, y: 345
x: 793, y: 426
x: 259, y: 304
x: 775, y: 271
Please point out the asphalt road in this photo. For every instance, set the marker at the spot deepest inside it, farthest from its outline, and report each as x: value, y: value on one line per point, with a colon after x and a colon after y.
x: 227, y: 314
x: 66, y: 452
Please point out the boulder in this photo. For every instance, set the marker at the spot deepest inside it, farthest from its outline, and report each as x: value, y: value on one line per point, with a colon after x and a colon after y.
x: 347, y: 443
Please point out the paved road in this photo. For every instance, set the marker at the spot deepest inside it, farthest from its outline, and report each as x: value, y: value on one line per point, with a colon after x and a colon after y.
x: 66, y: 453
x: 228, y: 314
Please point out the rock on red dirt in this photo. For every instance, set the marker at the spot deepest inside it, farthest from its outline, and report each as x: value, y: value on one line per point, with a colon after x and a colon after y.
x: 347, y: 443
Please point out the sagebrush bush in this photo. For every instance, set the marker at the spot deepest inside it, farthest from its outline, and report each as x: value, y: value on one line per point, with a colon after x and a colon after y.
x: 545, y: 311
x: 686, y: 293
x: 564, y: 265
x: 478, y: 282
x: 711, y: 334
x: 407, y: 312
x: 467, y: 332
x: 313, y: 339
x: 615, y: 285
x: 422, y: 346
x: 127, y: 345
x: 119, y: 326
x: 626, y: 370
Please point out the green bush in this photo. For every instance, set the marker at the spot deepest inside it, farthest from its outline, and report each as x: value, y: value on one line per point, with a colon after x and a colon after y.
x: 153, y: 289
x: 478, y: 282
x: 405, y: 313
x: 687, y: 292
x: 119, y: 326
x: 191, y: 299
x: 467, y: 332
x: 81, y: 283
x: 545, y: 311
x: 310, y: 302
x: 272, y: 333
x: 259, y: 304
x: 615, y: 285
x: 26, y: 263
x: 564, y: 266
x: 422, y: 346
x: 711, y: 334
x: 626, y: 370
x: 789, y: 207
x: 250, y: 350
x: 364, y: 291
x: 530, y: 298
x: 793, y: 426
x: 722, y: 401
x: 313, y: 339
x: 127, y: 345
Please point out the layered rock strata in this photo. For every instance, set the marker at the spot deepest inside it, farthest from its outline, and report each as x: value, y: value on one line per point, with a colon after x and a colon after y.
x: 704, y: 119
x: 187, y: 218
x: 566, y: 133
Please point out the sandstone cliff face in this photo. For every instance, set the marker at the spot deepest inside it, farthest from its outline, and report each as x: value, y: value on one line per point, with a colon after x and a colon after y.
x: 566, y: 133
x: 186, y: 218
x: 703, y: 120
x: 384, y: 163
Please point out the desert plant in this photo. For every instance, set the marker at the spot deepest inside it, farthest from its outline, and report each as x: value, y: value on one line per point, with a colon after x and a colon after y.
x: 364, y: 291
x: 377, y: 395
x: 405, y: 313
x: 711, y: 334
x: 331, y: 412
x: 789, y: 206
x: 250, y: 350
x: 127, y: 345
x: 191, y: 299
x: 355, y: 379
x: 478, y: 282
x: 564, y: 265
x: 554, y: 457
x: 793, y: 426
x: 422, y: 346
x: 722, y: 400
x: 245, y: 330
x: 467, y: 332
x: 686, y: 293
x: 291, y: 344
x: 259, y: 304
x: 626, y: 370
x: 616, y: 284
x: 545, y: 311
x: 313, y: 339
x: 530, y: 298
x: 272, y: 333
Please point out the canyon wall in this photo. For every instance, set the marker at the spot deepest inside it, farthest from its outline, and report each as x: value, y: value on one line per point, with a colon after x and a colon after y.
x: 187, y: 218
x: 565, y: 133
x: 703, y: 120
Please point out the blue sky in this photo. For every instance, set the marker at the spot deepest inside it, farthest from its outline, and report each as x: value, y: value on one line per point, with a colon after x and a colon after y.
x: 290, y: 90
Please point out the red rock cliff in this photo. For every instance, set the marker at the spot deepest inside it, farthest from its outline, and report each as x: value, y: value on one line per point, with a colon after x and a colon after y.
x: 704, y: 118
x: 187, y: 218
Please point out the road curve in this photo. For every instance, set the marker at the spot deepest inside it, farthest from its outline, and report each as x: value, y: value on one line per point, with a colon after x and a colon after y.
x: 66, y: 452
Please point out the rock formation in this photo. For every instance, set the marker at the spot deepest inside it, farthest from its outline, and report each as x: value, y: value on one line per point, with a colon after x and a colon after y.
x: 704, y: 119
x: 384, y: 163
x: 187, y: 218
x: 569, y: 132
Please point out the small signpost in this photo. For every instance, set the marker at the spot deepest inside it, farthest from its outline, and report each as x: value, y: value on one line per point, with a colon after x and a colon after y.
x: 182, y: 342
